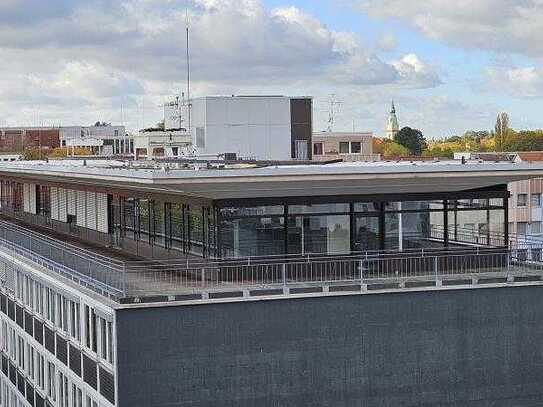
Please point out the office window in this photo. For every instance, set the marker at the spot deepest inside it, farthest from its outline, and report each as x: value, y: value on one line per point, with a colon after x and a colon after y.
x: 344, y: 147
x: 522, y: 200
x: 536, y: 228
x: 356, y: 147
x: 318, y: 149
x: 536, y: 200
x: 522, y: 228
x: 51, y: 385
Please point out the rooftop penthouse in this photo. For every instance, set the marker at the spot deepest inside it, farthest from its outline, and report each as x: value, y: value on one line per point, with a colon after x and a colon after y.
x: 126, y: 284
x: 138, y: 233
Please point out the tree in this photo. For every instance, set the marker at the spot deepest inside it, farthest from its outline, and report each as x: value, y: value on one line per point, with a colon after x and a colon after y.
x: 378, y: 145
x: 411, y: 139
x: 394, y: 150
x: 160, y: 125
x: 101, y: 124
x: 501, y: 130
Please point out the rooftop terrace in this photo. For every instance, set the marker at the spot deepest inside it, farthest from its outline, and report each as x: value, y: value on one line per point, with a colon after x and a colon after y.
x: 123, y: 279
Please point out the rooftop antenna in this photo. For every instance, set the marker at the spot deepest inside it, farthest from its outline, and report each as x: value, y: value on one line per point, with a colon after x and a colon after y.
x: 333, y: 103
x: 187, y: 22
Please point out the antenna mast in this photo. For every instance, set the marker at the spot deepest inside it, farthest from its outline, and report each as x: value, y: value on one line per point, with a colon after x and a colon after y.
x: 188, y: 73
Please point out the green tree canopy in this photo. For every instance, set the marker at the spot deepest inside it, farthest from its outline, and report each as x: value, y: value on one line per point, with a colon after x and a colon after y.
x: 411, y: 139
x: 392, y: 149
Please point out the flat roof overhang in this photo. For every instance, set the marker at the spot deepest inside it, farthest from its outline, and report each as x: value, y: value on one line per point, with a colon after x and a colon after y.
x: 275, y: 182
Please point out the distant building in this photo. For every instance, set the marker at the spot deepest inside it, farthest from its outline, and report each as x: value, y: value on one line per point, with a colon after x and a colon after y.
x: 259, y: 127
x: 101, y: 140
x: 341, y: 145
x: 17, y: 139
x: 156, y: 143
x: 393, y: 126
x: 525, y: 203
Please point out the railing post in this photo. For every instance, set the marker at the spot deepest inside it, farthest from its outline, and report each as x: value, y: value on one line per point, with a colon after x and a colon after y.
x: 284, y: 275
x: 203, y: 276
x: 123, y: 283
x: 435, y: 268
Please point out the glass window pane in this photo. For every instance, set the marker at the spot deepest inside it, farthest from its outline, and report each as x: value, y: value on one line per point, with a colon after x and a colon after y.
x: 536, y: 228
x: 522, y: 200
x: 177, y: 226
x: 129, y: 215
x: 344, y: 147
x: 414, y: 230
x: 355, y: 147
x: 253, y: 211
x: 468, y: 226
x: 366, y: 207
x: 321, y: 208
x: 317, y: 149
x: 414, y: 205
x: 252, y: 237
x: 496, y: 202
x: 319, y: 234
x: 159, y: 232
x: 536, y: 200
x: 196, y: 230
x: 144, y: 218
x: 366, y: 235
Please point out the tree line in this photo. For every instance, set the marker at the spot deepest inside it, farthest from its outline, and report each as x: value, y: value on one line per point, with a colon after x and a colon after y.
x: 411, y: 142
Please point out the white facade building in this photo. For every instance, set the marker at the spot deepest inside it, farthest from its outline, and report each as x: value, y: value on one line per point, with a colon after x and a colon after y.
x: 259, y: 127
x: 152, y: 143
x: 102, y: 140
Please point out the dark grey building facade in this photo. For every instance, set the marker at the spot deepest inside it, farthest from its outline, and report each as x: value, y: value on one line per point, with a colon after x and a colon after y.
x: 467, y: 347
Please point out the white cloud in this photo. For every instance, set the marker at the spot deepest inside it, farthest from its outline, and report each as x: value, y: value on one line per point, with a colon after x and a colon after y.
x: 520, y: 82
x: 416, y: 73
x: 499, y: 25
x: 99, y: 54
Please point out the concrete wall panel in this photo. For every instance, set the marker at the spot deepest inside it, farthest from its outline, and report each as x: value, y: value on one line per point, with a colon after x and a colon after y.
x: 466, y: 348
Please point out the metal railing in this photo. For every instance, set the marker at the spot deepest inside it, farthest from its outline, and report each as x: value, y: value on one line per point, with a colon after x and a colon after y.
x: 118, y: 279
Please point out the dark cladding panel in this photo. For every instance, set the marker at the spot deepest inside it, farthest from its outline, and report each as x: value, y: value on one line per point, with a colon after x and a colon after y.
x: 62, y: 350
x: 19, y: 316
x: 30, y: 393
x: 40, y: 401
x: 301, y: 119
x: 38, y: 331
x: 21, y: 384
x: 12, y: 373
x: 49, y: 340
x: 75, y: 360
x: 29, y: 323
x: 3, y: 304
x: 107, y: 385
x: 5, y: 365
x: 89, y: 371
x: 11, y: 309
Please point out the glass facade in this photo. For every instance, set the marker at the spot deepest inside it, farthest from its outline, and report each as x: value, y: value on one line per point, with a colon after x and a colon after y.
x: 340, y: 228
x: 272, y: 228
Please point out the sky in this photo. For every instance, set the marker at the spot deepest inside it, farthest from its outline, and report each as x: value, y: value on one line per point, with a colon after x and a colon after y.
x: 449, y: 66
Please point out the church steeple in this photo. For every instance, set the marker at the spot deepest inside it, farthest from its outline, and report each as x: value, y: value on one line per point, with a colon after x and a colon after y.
x: 393, y: 126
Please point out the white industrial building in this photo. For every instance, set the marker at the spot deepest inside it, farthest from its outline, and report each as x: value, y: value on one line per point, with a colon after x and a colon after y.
x: 251, y: 127
x: 260, y: 127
